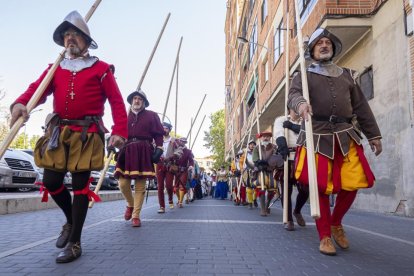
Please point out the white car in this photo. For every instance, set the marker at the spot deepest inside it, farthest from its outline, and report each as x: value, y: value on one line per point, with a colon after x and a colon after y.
x: 17, y: 171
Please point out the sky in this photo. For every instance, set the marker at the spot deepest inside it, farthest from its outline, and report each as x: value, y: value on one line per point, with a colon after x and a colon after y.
x: 126, y: 32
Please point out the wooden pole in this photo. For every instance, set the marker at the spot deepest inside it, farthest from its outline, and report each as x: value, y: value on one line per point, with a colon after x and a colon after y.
x: 102, y: 177
x: 111, y: 154
x: 189, y: 134
x: 234, y: 159
x: 287, y: 75
x: 153, y: 52
x: 244, y: 162
x: 39, y: 91
x: 176, y: 99
x: 310, y: 152
x: 258, y: 129
x: 195, y: 138
x: 172, y: 79
x: 193, y: 121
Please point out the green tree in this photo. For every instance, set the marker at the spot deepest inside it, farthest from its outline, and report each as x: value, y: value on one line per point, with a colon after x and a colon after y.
x: 20, y: 141
x: 4, y: 129
x: 32, y: 141
x: 214, y: 138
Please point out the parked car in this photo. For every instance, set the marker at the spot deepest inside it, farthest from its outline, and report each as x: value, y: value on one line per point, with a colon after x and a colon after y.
x: 40, y: 171
x: 67, y: 180
x: 152, y: 184
x: 109, y: 182
x: 24, y: 172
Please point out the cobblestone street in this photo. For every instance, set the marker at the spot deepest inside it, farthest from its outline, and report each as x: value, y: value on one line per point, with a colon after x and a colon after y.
x: 207, y: 237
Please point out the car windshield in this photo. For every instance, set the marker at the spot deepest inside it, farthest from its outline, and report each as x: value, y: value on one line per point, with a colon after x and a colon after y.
x: 111, y: 168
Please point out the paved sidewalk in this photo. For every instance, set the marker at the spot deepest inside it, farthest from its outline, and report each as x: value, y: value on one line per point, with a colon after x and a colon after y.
x: 207, y: 237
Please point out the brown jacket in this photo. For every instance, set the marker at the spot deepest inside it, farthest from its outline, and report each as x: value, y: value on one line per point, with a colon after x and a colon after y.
x: 339, y: 96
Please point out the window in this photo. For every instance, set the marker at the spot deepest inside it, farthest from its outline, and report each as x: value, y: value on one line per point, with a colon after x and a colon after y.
x: 253, y: 41
x: 241, y: 115
x: 305, y: 7
x: 278, y: 43
x: 251, y: 97
x: 408, y: 23
x: 366, y: 82
x: 264, y: 11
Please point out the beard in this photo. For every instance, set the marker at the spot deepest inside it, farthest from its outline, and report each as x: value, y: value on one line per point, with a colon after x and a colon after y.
x: 325, y: 56
x: 74, y: 51
x: 137, y: 107
x: 265, y: 143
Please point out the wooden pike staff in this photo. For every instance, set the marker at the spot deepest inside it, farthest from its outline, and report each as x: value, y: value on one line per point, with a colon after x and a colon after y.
x: 112, y: 150
x: 176, y: 99
x: 310, y: 152
x: 172, y: 79
x: 244, y: 162
x: 234, y: 160
x: 258, y: 132
x: 193, y: 121
x: 287, y: 79
x: 195, y: 138
x: 39, y: 91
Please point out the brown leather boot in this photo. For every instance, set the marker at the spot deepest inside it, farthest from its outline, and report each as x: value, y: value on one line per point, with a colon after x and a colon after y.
x: 339, y: 237
x: 289, y: 226
x: 326, y: 247
x: 72, y: 251
x: 299, y: 219
x: 63, y: 238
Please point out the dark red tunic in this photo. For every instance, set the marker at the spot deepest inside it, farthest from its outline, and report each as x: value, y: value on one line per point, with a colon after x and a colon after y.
x: 183, y: 163
x: 134, y: 160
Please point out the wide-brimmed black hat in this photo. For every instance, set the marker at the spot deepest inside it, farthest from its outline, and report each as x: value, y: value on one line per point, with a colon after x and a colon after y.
x: 138, y: 93
x: 73, y: 20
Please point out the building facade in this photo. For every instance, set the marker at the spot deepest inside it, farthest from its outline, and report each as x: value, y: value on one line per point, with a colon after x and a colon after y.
x: 377, y: 42
x: 206, y: 163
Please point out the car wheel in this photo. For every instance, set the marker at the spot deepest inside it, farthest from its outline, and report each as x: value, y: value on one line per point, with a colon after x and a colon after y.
x: 24, y: 190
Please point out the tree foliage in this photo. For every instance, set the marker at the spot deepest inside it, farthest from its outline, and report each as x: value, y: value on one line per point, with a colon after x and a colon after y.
x: 214, y: 138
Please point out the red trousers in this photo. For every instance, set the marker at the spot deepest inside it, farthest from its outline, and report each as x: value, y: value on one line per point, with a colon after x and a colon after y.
x: 344, y: 200
x: 242, y: 194
x: 164, y: 178
x: 181, y: 181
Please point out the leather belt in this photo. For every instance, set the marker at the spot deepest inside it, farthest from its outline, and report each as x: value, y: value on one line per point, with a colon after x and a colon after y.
x: 85, y: 124
x: 135, y: 139
x: 332, y: 119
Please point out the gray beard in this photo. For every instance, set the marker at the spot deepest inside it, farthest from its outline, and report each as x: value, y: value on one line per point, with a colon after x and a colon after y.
x: 73, y: 51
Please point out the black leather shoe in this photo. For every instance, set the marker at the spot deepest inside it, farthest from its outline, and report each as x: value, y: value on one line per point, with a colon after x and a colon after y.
x: 63, y: 238
x: 72, y: 251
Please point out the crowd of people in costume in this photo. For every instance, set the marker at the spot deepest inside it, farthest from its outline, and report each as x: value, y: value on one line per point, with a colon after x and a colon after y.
x: 74, y: 142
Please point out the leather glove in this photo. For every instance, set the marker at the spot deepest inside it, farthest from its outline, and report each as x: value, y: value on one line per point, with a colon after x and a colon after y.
x: 282, y: 147
x: 261, y: 164
x: 294, y: 127
x: 155, y: 158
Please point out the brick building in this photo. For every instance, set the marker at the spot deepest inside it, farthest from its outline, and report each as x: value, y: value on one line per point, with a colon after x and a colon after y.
x: 377, y: 37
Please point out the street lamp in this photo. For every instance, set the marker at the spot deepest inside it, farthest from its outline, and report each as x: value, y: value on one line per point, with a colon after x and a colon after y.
x: 33, y: 111
x: 243, y: 40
